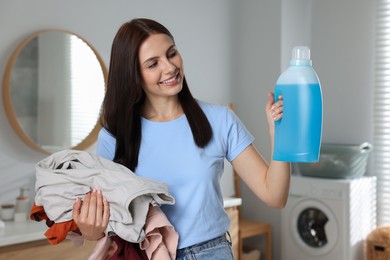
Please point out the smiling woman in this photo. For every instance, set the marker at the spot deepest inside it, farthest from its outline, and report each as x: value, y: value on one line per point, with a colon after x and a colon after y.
x: 53, y: 89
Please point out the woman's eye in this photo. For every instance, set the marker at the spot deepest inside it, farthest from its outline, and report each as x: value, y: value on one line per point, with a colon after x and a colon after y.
x: 152, y: 65
x: 172, y: 54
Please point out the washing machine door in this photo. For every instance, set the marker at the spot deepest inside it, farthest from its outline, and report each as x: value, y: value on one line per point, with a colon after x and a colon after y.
x: 314, y: 227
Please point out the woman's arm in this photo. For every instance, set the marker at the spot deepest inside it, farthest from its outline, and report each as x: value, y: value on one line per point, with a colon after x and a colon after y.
x: 270, y: 182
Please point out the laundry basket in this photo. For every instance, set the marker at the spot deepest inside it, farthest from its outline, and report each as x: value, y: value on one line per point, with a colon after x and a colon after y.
x: 378, y: 244
x: 338, y: 161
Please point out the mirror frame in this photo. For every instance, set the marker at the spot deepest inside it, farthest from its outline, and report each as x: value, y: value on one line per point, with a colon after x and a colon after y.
x: 92, y: 136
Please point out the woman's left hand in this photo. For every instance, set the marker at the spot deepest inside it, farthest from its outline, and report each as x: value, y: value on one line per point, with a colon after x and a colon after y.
x: 273, y: 110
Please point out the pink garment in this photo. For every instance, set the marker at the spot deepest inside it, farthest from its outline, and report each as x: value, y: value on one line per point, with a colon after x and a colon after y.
x: 161, y: 239
x: 104, y: 249
x: 115, y: 248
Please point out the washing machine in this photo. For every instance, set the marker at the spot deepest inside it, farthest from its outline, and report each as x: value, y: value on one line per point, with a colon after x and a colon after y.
x: 328, y: 219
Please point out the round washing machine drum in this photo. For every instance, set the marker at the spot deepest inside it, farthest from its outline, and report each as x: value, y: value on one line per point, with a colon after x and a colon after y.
x: 314, y: 227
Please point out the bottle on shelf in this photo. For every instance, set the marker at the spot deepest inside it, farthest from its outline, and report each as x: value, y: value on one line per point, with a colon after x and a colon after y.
x: 22, y: 205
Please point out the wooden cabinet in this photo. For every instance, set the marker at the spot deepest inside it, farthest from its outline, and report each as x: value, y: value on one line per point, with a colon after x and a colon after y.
x: 233, y: 230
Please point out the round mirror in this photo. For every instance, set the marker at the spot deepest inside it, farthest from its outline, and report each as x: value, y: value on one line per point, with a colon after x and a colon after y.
x: 53, y: 89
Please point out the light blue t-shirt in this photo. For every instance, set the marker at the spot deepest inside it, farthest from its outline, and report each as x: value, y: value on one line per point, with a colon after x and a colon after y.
x: 169, y: 154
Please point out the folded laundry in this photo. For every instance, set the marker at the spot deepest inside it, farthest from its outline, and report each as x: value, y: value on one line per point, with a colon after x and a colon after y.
x: 160, y: 241
x: 68, y: 174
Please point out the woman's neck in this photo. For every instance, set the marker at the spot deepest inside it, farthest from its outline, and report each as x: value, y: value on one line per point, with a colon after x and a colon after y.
x: 162, y: 110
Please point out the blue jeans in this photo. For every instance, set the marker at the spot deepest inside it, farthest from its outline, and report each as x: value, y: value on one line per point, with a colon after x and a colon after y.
x: 219, y: 248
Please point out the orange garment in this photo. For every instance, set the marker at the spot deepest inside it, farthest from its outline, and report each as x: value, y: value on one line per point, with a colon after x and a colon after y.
x: 57, y: 232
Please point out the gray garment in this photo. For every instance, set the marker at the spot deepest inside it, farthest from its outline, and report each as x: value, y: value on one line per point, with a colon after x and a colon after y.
x: 68, y: 174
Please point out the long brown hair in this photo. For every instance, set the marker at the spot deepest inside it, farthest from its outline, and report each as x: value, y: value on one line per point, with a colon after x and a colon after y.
x: 125, y: 96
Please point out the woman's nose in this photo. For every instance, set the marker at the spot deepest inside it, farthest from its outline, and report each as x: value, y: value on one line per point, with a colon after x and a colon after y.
x: 169, y: 68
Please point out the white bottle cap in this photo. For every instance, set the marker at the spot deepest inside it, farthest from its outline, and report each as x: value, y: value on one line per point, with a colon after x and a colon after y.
x: 300, y: 56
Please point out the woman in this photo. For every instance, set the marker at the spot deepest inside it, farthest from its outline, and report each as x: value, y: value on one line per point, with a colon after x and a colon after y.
x: 154, y: 126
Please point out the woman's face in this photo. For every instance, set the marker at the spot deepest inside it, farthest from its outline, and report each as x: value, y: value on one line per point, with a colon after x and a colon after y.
x: 161, y: 66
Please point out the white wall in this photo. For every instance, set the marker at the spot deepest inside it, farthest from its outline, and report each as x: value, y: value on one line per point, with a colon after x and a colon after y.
x: 342, y: 53
x: 233, y: 51
x: 296, y: 27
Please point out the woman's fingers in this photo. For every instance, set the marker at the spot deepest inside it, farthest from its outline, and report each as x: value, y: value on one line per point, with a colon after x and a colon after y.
x: 99, y: 208
x: 277, y: 109
x: 92, y: 208
x: 106, y: 212
x: 92, y: 215
x: 85, y: 206
x: 76, y: 208
x: 270, y: 100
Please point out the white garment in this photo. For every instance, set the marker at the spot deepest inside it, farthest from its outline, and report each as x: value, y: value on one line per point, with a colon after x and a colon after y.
x: 68, y: 174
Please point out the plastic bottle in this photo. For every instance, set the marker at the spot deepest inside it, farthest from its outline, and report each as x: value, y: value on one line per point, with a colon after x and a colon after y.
x: 298, y: 133
x: 22, y: 206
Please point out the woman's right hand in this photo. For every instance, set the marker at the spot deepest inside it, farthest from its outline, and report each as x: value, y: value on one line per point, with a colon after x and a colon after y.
x: 91, y: 215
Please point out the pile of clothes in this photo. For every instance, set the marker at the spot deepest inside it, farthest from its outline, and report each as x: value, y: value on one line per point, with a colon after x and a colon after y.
x: 137, y: 228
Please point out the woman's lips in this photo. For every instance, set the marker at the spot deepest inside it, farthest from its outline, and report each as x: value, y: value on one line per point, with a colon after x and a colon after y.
x: 172, y: 80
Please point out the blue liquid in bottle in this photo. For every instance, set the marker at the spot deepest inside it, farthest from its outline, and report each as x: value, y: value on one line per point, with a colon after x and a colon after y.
x: 298, y: 133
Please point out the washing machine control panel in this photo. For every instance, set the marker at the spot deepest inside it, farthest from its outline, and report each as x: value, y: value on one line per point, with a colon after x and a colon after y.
x: 310, y: 189
x: 326, y: 193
